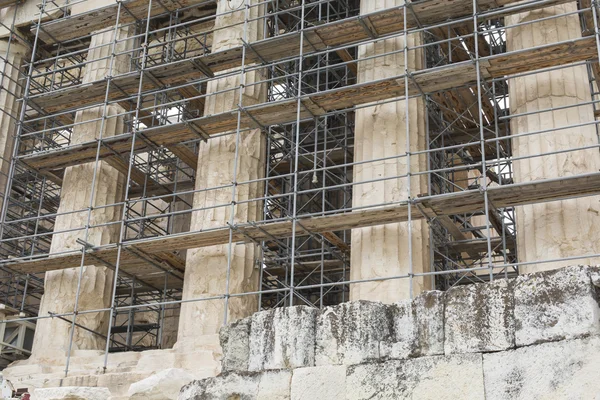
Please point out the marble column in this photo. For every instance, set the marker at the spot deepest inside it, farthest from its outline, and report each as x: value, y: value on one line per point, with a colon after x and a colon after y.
x: 206, y: 268
x: 383, y: 251
x: 565, y: 228
x: 11, y: 57
x: 60, y: 287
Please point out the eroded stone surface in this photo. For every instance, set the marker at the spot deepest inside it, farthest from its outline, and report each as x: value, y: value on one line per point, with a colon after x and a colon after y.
x: 283, y: 338
x: 438, y: 377
x: 164, y: 385
x: 555, y: 305
x: 560, y: 370
x: 479, y: 318
x: 417, y: 327
x: 268, y: 385
x: 351, y: 333
x: 71, y: 393
x: 235, y: 341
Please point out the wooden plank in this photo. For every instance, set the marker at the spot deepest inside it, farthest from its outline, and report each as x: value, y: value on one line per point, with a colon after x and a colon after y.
x: 83, y: 24
x: 8, y: 3
x: 427, y: 81
x: 446, y: 204
x: 318, y: 38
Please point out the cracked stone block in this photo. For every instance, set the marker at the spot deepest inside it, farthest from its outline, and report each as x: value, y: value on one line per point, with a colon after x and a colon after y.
x: 555, y: 305
x: 235, y: 342
x: 268, y: 385
x: 325, y: 382
x: 558, y: 370
x: 236, y: 385
x: 439, y: 377
x: 71, y: 393
x: 282, y: 338
x: 417, y: 327
x: 479, y: 318
x: 352, y: 333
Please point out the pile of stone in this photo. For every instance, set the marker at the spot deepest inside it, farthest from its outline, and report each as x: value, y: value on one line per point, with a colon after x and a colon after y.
x: 534, y: 336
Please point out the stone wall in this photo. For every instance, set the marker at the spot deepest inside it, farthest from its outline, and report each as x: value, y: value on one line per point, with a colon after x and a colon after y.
x: 534, y: 336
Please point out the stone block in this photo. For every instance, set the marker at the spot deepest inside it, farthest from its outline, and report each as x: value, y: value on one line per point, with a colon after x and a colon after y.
x: 268, y: 385
x: 429, y: 311
x: 479, y: 318
x: 325, y: 382
x: 164, y: 385
x: 439, y: 377
x: 352, y: 333
x: 156, y: 360
x: 282, y: 338
x: 119, y: 383
x: 229, y: 385
x: 71, y: 393
x: 555, y: 305
x: 417, y: 327
x: 200, y: 363
x: 275, y: 385
x: 235, y: 342
x: 558, y: 370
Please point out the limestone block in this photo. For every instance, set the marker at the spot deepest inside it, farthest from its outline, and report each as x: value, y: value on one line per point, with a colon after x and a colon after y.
x: 275, y: 385
x: 283, y: 338
x: 164, y: 385
x: 124, y: 359
x: 71, y: 393
x: 268, y: 385
x: 429, y: 310
x: 559, y: 370
x: 156, y: 360
x: 200, y: 363
x: 81, y: 381
x: 351, y: 333
x: 438, y: 377
x: 417, y: 327
x: 326, y: 382
x: 479, y: 318
x: 555, y: 305
x: 235, y: 341
x: 118, y: 383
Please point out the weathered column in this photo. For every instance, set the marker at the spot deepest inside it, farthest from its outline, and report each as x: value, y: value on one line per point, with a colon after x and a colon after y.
x: 562, y: 228
x: 383, y: 251
x: 11, y: 58
x: 206, y: 268
x: 60, y: 287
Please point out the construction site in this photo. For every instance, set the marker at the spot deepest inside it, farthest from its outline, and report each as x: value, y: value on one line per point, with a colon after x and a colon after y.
x: 169, y: 167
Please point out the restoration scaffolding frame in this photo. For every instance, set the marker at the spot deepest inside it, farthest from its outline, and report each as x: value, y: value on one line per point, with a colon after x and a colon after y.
x: 309, y: 62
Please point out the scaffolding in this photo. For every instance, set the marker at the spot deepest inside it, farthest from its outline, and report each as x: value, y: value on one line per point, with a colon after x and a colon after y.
x: 308, y: 60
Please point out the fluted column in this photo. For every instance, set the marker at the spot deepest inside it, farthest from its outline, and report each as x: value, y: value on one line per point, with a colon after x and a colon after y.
x: 562, y: 228
x: 60, y: 287
x: 383, y: 251
x: 206, y: 268
x: 11, y: 58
